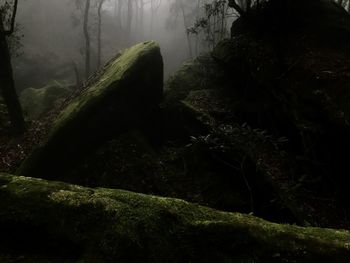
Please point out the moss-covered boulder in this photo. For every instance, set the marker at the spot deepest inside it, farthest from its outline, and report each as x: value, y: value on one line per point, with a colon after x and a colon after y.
x: 37, y: 102
x: 200, y: 73
x: 122, y: 97
x: 42, y: 221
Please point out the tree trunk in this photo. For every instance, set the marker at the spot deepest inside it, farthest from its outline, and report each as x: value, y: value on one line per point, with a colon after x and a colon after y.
x: 187, y: 34
x: 129, y: 20
x: 120, y: 2
x: 155, y: 4
x: 99, y: 30
x: 142, y: 11
x: 105, y: 225
x: 77, y: 74
x: 152, y: 18
x: 87, y: 39
x: 7, y: 85
x: 237, y: 7
x: 198, y: 12
x: 137, y: 18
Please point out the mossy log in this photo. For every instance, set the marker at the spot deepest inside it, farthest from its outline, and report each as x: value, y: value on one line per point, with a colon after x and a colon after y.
x: 43, y: 221
x: 121, y: 98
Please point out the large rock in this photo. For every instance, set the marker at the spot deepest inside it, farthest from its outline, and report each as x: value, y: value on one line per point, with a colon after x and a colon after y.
x: 200, y: 73
x: 123, y: 97
x: 42, y: 221
x: 37, y: 102
x: 285, y: 73
x: 289, y: 75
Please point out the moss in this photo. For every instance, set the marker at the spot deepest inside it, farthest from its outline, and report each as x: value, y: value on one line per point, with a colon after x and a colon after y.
x: 37, y: 102
x: 120, y: 98
x: 201, y: 73
x: 115, y: 225
x: 114, y: 73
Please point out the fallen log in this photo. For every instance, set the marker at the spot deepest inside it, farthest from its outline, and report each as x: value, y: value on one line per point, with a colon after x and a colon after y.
x: 45, y: 221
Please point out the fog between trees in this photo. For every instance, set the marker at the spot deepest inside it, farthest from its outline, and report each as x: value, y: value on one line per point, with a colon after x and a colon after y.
x: 51, y: 36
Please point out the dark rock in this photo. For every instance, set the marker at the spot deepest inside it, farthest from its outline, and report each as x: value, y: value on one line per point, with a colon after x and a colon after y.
x: 285, y: 73
x: 122, y: 98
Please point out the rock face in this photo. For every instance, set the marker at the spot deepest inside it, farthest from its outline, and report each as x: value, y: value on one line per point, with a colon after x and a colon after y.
x: 122, y: 98
x: 36, y: 102
x: 286, y: 75
x: 45, y: 221
x: 198, y: 74
x: 298, y: 83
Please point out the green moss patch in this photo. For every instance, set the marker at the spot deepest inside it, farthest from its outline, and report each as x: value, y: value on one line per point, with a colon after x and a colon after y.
x: 114, y: 225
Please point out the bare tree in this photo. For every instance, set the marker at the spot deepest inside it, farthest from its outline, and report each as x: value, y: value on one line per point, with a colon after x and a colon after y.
x: 87, y: 38
x: 187, y: 25
x: 77, y: 74
x: 99, y: 30
x: 155, y: 4
x: 7, y: 84
x: 119, y: 14
x: 142, y: 11
x: 237, y: 6
x: 181, y: 7
x: 211, y: 22
x: 130, y: 13
x: 139, y: 16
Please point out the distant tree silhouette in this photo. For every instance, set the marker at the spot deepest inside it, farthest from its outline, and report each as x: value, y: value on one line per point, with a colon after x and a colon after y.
x: 211, y: 23
x: 87, y: 38
x: 99, y: 31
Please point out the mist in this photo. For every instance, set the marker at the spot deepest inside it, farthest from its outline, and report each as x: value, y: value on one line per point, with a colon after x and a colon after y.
x: 51, y: 37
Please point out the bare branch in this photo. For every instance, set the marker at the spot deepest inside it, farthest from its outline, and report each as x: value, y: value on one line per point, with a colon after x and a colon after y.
x: 236, y: 6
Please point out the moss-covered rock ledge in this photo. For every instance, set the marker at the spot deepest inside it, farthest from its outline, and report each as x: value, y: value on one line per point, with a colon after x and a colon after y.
x: 122, y: 97
x: 43, y: 221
